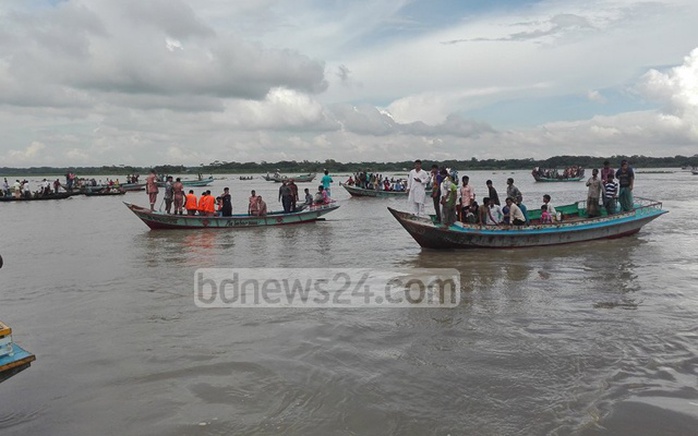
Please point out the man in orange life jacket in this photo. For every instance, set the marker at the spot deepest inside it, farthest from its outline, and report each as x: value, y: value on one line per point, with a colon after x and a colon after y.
x: 207, y: 204
x: 190, y: 203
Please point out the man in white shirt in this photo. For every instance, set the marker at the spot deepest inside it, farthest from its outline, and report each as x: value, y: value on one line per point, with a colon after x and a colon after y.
x: 416, y: 183
x: 494, y: 215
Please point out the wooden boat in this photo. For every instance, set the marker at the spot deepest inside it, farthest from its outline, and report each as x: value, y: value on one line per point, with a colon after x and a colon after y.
x: 128, y: 187
x: 278, y: 178
x: 362, y: 192
x: 104, y: 193
x: 54, y: 196
x: 13, y: 358
x: 574, y: 227
x: 538, y: 176
x: 159, y: 220
x: 193, y: 183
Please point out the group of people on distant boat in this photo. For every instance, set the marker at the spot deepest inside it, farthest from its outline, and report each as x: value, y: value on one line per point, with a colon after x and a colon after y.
x: 178, y: 202
x: 458, y: 203
x: 553, y: 173
x: 21, y: 189
x: 375, y: 181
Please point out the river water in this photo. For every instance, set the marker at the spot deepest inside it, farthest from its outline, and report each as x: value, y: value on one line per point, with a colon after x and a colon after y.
x: 590, y: 338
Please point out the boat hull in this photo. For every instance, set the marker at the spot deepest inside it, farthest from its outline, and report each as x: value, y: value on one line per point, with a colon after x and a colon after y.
x: 429, y: 235
x: 361, y: 192
x: 58, y: 196
x: 158, y: 221
x: 14, y: 363
x: 569, y: 179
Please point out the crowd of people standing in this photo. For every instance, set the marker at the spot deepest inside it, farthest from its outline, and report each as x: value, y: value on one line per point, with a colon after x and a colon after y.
x: 453, y: 202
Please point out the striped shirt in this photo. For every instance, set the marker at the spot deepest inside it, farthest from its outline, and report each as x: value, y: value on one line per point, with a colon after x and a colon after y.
x: 610, y: 189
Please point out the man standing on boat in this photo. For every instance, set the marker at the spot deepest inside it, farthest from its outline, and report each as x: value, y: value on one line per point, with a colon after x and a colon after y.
x: 492, y: 193
x: 285, y: 196
x: 326, y: 181
x: 449, y: 194
x: 252, y: 204
x: 436, y: 180
x: 169, y: 194
x: 594, y: 184
x: 416, y: 183
x: 227, y: 203
x: 294, y: 194
x: 178, y: 193
x: 151, y: 188
x: 606, y: 170
x: 467, y: 196
x: 610, y: 189
x: 626, y: 180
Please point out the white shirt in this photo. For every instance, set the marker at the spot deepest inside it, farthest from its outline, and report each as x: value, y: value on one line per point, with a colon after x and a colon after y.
x: 416, y: 183
x: 551, y: 210
x: 494, y: 215
x: 515, y: 213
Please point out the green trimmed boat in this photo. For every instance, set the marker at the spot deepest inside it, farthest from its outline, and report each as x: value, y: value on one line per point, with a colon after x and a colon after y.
x: 362, y: 192
x: 575, y: 226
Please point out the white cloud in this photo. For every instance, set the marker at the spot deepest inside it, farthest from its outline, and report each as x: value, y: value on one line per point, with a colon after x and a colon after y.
x: 100, y: 82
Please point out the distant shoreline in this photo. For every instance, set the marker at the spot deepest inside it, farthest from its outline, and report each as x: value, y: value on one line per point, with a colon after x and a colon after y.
x: 217, y: 167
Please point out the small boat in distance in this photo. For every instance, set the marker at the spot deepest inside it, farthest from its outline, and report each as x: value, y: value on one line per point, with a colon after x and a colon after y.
x: 104, y: 192
x: 246, y: 177
x: 278, y: 178
x: 572, y: 174
x: 194, y: 183
x: 159, y: 220
x: 694, y: 171
x: 34, y: 197
x: 13, y: 358
x: 575, y: 226
x: 362, y: 192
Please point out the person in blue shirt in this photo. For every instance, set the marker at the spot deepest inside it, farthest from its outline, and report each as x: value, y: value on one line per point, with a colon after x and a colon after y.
x: 326, y: 180
x: 626, y: 181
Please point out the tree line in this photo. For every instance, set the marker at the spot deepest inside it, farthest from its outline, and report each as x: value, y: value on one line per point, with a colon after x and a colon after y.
x: 305, y: 166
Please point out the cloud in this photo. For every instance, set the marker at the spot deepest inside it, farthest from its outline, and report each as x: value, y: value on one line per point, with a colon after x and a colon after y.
x: 100, y: 82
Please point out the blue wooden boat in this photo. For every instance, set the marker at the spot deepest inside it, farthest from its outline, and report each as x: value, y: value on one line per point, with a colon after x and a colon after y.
x: 362, y: 192
x: 13, y: 358
x: 159, y: 220
x: 574, y: 227
x: 193, y: 183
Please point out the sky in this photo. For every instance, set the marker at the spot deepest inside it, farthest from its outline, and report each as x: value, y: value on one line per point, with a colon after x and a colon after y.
x: 138, y: 82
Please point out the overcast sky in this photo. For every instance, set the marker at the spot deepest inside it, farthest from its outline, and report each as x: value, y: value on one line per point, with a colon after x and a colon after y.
x: 138, y: 82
